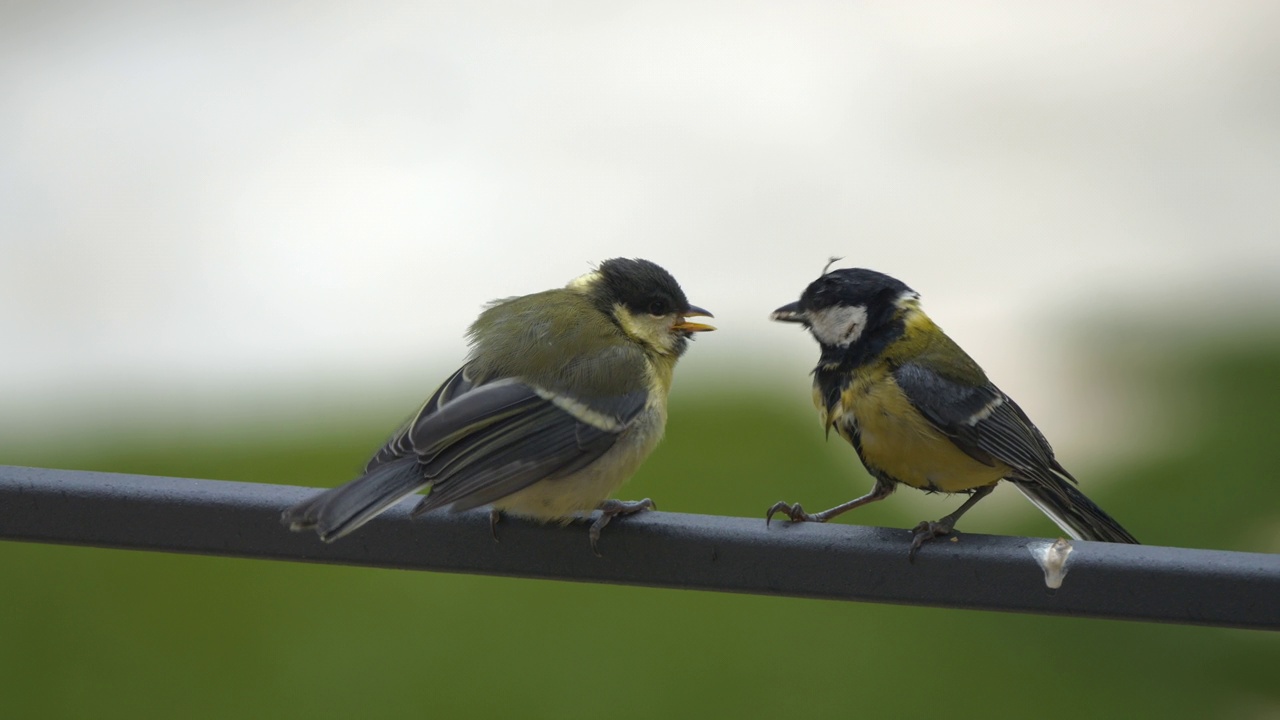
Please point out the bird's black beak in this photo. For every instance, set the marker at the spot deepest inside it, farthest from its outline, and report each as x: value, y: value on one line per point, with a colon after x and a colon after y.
x: 790, y: 312
x: 692, y: 327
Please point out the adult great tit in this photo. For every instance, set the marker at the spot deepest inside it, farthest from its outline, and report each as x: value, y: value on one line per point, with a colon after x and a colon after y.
x: 563, y: 395
x: 919, y: 410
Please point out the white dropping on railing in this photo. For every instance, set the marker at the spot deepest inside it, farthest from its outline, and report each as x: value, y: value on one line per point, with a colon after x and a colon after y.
x: 1052, y: 557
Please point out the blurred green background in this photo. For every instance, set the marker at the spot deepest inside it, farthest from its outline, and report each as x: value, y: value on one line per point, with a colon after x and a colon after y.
x: 98, y: 633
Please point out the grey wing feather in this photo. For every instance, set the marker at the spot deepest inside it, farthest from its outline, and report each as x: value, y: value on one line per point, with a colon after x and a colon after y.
x: 986, y: 423
x: 338, y: 511
x: 401, y: 446
x: 539, y: 440
x: 472, y: 444
x: 981, y: 420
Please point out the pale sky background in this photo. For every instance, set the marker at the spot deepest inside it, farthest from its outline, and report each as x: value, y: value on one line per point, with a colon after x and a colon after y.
x: 214, y: 209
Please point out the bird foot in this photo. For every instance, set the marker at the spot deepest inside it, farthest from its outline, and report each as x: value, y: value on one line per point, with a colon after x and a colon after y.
x: 924, y: 532
x: 794, y: 513
x: 610, y: 509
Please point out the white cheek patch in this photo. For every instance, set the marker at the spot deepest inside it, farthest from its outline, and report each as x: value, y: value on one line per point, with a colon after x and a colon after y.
x: 840, y: 325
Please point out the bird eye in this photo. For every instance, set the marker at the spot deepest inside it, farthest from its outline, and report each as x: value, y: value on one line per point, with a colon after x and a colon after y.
x: 658, y: 307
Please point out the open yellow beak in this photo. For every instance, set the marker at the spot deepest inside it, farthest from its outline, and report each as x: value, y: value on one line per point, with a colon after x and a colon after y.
x: 693, y: 311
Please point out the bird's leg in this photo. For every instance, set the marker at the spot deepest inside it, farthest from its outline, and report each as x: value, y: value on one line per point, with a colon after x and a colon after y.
x: 610, y: 509
x: 928, y: 530
x: 796, y: 513
x: 494, y: 516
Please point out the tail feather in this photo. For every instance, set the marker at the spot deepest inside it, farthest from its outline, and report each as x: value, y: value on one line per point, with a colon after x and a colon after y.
x: 336, y: 512
x: 1074, y: 513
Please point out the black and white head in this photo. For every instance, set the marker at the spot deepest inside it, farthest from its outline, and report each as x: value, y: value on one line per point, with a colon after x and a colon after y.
x: 848, y: 309
x: 645, y: 301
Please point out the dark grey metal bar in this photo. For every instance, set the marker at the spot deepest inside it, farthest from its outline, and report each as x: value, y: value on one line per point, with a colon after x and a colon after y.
x: 699, y: 552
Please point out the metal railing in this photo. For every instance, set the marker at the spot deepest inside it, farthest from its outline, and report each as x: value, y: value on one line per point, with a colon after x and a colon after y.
x: 657, y: 549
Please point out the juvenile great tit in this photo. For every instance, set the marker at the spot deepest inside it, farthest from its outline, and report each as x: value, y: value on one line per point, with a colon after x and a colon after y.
x: 563, y: 395
x: 919, y: 410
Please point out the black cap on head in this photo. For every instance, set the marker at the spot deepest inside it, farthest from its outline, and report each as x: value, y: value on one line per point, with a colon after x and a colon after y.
x: 852, y: 313
x: 640, y: 285
x: 853, y: 286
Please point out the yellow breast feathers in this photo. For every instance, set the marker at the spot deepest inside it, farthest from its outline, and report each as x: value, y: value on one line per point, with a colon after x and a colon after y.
x: 893, y: 438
